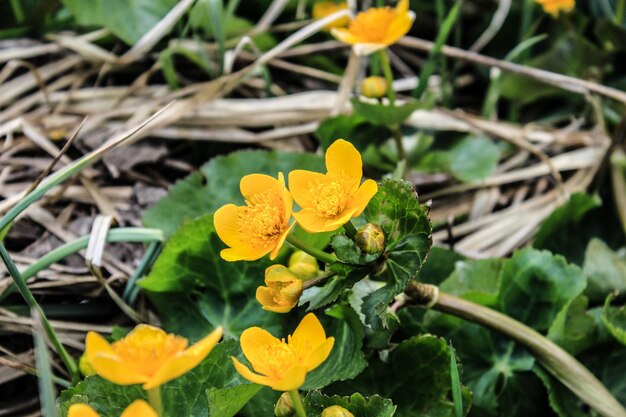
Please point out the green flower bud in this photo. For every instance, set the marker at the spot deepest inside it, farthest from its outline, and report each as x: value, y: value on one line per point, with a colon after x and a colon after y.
x: 336, y: 411
x: 303, y: 265
x: 374, y: 87
x: 284, y: 406
x: 370, y: 238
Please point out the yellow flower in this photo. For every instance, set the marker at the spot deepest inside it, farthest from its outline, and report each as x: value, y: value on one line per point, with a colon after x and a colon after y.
x: 147, y: 355
x: 259, y: 227
x: 376, y: 28
x: 554, y: 7
x: 282, y: 292
x: 283, y: 365
x: 137, y: 408
x: 321, y: 9
x: 330, y: 200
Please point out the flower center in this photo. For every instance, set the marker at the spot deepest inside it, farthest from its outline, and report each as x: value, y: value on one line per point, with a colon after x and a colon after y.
x: 263, y: 220
x: 279, y: 357
x: 330, y: 198
x: 147, y: 351
x: 276, y: 287
x: 372, y: 24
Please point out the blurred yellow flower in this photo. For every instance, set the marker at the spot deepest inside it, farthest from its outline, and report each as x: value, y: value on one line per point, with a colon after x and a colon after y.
x: 137, y: 408
x: 554, y: 7
x: 321, y: 9
x: 330, y: 200
x: 282, y: 292
x: 259, y: 227
x: 147, y: 355
x: 376, y: 28
x: 283, y: 365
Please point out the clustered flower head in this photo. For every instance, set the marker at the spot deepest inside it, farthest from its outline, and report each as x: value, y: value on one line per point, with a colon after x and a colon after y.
x: 555, y: 7
x: 376, y: 28
x: 138, y: 408
x: 147, y: 355
x: 283, y: 365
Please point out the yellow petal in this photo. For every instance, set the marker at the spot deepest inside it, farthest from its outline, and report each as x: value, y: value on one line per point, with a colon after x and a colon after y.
x: 277, y: 308
x: 344, y: 35
x: 254, y: 342
x: 185, y: 360
x: 310, y: 221
x: 292, y: 379
x: 400, y: 27
x: 287, y: 198
x: 303, y: 185
x: 139, y: 408
x: 319, y: 354
x: 226, y: 221
x: 245, y: 372
x: 402, y: 6
x: 359, y: 201
x: 265, y: 296
x: 343, y: 218
x: 259, y: 183
x: 308, y: 335
x: 94, y: 343
x: 81, y: 410
x: 281, y: 241
x: 244, y: 253
x: 112, y: 368
x: 343, y: 160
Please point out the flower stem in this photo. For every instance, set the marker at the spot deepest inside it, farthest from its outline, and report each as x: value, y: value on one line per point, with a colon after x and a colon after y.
x: 20, y: 282
x: 384, y: 60
x: 552, y: 357
x: 319, y: 254
x: 154, y: 398
x: 619, y: 12
x: 350, y: 230
x: 297, y: 403
x: 397, y: 137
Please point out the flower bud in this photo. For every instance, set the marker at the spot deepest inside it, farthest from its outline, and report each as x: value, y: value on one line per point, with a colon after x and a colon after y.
x: 370, y: 238
x: 374, y: 87
x: 336, y: 411
x: 283, y: 290
x: 303, y: 265
x: 84, y: 366
x: 284, y: 406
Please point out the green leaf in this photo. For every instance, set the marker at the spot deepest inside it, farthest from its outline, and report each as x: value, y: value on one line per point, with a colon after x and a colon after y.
x: 354, y: 128
x: 382, y: 115
x: 226, y: 402
x: 439, y: 265
x: 574, y: 329
x: 614, y: 318
x: 475, y: 280
x: 605, y: 270
x: 416, y: 378
x: 128, y: 20
x: 536, y: 285
x: 346, y: 360
x: 474, y: 158
x: 320, y: 296
x: 408, y: 233
x: 347, y: 251
x: 555, y: 233
x: 183, y: 396
x: 217, y: 184
x: 375, y: 406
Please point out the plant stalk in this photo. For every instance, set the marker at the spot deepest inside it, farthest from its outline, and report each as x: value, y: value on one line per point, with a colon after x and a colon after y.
x: 297, y: 403
x: 552, y: 357
x: 19, y: 281
x: 317, y: 253
x: 384, y: 61
x: 155, y: 400
x: 350, y: 230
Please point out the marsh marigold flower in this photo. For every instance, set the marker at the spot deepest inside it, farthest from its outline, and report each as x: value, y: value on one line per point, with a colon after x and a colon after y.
x: 321, y: 9
x: 283, y: 365
x: 330, y: 200
x: 147, y: 355
x: 283, y: 290
x: 554, y: 7
x: 376, y: 28
x: 259, y: 227
x: 138, y: 408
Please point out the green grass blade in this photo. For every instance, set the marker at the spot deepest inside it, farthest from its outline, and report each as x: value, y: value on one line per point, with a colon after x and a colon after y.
x: 457, y: 398
x: 45, y: 378
x: 442, y: 36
